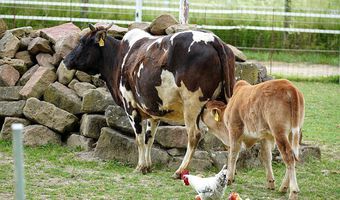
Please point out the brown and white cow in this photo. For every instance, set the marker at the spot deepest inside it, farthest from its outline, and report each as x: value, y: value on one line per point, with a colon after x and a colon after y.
x: 270, y: 112
x: 158, y: 78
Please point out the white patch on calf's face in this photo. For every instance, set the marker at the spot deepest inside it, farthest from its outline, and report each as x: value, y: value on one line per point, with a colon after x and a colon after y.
x: 198, y: 36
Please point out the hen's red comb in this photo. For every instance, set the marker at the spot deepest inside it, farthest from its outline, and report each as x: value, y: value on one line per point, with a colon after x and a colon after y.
x: 184, y: 172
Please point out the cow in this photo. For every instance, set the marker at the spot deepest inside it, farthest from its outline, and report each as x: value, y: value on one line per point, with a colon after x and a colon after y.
x: 158, y: 78
x: 270, y: 112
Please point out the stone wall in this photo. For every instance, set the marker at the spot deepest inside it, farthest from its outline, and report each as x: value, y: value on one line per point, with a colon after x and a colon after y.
x: 68, y: 107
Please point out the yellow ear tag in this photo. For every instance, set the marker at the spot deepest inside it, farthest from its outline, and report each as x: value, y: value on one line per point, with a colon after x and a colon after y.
x: 101, y: 42
x: 217, y: 117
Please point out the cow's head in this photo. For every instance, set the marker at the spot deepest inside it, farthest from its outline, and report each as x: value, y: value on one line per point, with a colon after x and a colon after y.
x: 86, y: 55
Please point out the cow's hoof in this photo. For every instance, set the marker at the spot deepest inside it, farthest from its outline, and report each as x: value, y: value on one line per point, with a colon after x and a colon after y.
x: 293, y: 195
x: 271, y: 185
x: 176, y: 175
x: 142, y: 169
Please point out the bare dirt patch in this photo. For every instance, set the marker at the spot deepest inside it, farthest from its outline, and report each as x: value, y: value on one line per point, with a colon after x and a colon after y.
x: 299, y: 69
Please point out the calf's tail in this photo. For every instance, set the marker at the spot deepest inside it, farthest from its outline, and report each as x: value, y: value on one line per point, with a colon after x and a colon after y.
x: 297, y: 112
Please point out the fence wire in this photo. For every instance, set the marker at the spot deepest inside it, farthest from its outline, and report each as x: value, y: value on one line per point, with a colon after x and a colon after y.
x: 296, y: 38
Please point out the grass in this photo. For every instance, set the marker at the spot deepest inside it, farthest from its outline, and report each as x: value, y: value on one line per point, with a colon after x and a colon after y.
x: 54, y: 172
x: 295, y: 57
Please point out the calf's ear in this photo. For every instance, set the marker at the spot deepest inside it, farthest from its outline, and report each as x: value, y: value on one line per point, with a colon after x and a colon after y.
x: 217, y: 114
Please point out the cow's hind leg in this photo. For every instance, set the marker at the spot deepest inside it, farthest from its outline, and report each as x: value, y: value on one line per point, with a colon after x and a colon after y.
x: 266, y: 157
x: 150, y: 133
x: 191, y: 113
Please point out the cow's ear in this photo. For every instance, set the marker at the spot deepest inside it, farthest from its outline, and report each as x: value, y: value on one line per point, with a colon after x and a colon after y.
x: 217, y: 114
x: 100, y: 38
x: 93, y: 28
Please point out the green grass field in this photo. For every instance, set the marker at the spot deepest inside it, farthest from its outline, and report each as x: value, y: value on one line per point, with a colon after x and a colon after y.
x: 54, y: 172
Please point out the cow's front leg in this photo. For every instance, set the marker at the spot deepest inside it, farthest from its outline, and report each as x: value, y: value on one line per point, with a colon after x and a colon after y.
x: 137, y: 125
x: 149, y: 139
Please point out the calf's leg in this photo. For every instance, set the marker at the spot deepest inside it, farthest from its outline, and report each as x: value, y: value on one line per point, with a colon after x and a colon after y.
x: 266, y: 157
x: 234, y: 150
x: 288, y: 157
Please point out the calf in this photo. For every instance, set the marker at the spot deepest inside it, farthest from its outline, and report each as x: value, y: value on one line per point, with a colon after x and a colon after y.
x: 267, y: 112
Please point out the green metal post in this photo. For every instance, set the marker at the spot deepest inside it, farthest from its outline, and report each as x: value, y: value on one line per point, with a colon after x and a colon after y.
x: 18, y: 162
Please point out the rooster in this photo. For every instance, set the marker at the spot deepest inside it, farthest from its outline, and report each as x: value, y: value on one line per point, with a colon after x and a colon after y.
x: 211, y: 188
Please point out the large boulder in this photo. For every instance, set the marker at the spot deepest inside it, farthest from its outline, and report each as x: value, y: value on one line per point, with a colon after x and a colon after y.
x: 24, y: 56
x: 27, y: 75
x: 83, y: 77
x: 38, y: 135
x: 24, y: 42
x: 65, y: 76
x: 3, y: 27
x: 38, y: 83
x: 172, y: 136
x: 63, y: 97
x: 18, y: 64
x: 83, y: 142
x: 6, y: 131
x: 253, y: 73
x: 45, y: 60
x: 81, y: 88
x: 161, y: 23
x: 53, y: 34
x: 91, y: 125
x: 39, y: 45
x: 64, y: 46
x: 239, y: 55
x: 10, y: 93
x: 116, y: 118
x: 140, y: 25
x: 113, y: 145
x: 115, y: 31
x: 21, y: 31
x: 9, y: 45
x: 97, y: 81
x: 49, y: 115
x: 8, y: 75
x: 96, y: 100
x: 11, y: 108
x: 179, y: 28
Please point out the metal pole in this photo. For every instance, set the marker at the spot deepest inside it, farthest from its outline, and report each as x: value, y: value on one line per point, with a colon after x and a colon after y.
x: 183, y: 11
x: 138, y: 14
x: 18, y: 162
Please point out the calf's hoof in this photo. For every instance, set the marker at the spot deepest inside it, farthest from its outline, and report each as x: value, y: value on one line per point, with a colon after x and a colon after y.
x: 230, y: 181
x: 293, y: 195
x: 283, y: 189
x: 271, y: 185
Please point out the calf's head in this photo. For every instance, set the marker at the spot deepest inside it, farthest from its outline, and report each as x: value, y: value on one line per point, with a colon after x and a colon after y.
x: 213, y: 117
x: 87, y: 54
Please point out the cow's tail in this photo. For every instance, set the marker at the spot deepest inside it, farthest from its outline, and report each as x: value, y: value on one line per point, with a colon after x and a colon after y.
x: 297, y: 115
x: 227, y: 59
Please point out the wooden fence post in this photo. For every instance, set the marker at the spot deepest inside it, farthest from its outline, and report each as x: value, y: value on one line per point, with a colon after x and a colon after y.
x: 183, y: 11
x: 138, y: 13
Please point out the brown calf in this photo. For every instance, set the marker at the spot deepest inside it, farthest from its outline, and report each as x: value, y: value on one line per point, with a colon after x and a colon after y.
x: 267, y: 112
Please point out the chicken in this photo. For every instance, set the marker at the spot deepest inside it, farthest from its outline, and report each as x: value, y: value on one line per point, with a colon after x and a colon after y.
x: 211, y: 188
x: 234, y: 196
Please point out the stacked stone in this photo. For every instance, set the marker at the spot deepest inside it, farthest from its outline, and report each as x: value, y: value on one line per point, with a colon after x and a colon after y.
x: 62, y: 106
